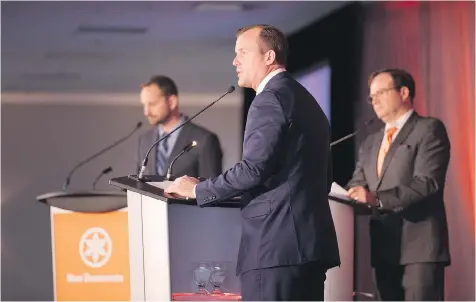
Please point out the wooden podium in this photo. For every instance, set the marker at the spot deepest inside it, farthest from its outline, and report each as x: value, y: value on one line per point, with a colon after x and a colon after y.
x: 90, y: 249
x: 167, y: 235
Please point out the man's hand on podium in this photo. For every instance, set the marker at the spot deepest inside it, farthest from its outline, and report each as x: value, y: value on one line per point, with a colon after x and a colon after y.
x: 183, y: 187
x: 360, y: 194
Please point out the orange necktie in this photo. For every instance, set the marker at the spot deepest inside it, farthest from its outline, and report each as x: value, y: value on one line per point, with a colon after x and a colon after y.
x: 384, y: 148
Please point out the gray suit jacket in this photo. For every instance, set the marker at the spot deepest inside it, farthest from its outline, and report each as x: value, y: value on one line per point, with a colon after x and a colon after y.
x: 284, y: 178
x: 205, y: 160
x: 410, y: 188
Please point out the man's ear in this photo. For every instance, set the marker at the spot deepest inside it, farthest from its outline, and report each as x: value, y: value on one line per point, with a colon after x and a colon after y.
x: 405, y: 93
x: 270, y: 57
x: 173, y: 102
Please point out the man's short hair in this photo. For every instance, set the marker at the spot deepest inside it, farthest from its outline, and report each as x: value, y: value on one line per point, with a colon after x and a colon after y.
x: 166, y: 84
x: 401, y: 78
x: 271, y: 39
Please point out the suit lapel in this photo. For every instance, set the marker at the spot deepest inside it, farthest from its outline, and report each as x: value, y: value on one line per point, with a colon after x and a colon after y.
x: 373, y: 157
x: 402, y: 135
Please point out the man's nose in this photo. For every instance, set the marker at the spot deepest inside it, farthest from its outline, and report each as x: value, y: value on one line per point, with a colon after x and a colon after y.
x: 146, y: 111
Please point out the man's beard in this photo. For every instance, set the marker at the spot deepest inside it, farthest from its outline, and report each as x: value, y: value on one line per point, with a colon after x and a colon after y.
x: 164, y: 120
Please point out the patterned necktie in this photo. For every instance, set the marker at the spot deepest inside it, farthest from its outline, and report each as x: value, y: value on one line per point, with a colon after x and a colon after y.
x: 384, y: 148
x: 161, y: 156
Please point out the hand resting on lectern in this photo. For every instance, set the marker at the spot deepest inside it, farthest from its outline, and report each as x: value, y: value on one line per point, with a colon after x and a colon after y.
x: 183, y: 186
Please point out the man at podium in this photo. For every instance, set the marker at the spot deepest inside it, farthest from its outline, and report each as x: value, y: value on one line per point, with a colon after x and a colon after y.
x: 159, y: 98
x: 401, y: 169
x: 288, y: 237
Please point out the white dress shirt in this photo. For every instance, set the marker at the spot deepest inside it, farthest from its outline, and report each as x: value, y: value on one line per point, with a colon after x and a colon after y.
x: 267, y: 78
x: 398, y: 123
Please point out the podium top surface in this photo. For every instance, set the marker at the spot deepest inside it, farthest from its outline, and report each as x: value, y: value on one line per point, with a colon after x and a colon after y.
x: 85, y: 201
x: 132, y: 183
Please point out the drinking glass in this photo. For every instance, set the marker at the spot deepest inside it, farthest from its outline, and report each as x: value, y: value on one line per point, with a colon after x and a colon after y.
x: 201, y: 274
x: 217, y: 276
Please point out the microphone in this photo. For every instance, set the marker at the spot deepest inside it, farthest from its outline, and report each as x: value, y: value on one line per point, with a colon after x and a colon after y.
x: 103, y: 172
x: 68, y: 178
x: 187, y: 148
x: 367, y: 123
x: 146, y: 158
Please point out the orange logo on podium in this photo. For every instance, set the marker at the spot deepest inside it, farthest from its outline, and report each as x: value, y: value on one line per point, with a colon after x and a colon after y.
x: 91, y: 256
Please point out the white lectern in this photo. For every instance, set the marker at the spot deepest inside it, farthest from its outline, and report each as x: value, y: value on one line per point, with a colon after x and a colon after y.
x: 339, y: 285
x: 150, y: 212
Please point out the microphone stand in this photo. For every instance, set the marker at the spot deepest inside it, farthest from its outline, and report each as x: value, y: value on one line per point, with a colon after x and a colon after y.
x: 103, y: 172
x: 187, y: 148
x: 68, y: 178
x: 367, y: 123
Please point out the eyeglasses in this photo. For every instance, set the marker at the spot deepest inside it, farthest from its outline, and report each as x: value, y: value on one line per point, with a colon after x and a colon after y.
x: 378, y: 94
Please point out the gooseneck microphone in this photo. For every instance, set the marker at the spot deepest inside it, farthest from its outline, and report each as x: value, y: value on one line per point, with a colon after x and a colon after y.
x: 68, y: 178
x: 187, y: 148
x: 103, y: 172
x: 146, y: 158
x: 367, y: 123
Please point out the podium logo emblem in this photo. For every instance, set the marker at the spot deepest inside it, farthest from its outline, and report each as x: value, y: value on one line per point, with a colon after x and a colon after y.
x: 95, y: 247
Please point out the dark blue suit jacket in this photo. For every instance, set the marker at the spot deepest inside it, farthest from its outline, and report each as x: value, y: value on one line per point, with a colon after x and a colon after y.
x: 284, y: 178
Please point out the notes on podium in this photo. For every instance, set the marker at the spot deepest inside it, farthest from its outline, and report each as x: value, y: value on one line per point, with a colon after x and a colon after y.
x: 161, y: 184
x: 339, y: 192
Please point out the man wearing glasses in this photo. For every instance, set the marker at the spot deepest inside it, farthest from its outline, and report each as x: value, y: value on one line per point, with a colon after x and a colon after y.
x: 401, y: 170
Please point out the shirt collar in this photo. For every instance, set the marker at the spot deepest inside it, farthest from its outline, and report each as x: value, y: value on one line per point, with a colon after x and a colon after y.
x: 267, y: 78
x: 180, y: 122
x: 400, y: 121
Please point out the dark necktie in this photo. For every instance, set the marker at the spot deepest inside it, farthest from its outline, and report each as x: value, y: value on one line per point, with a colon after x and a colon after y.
x: 161, y: 156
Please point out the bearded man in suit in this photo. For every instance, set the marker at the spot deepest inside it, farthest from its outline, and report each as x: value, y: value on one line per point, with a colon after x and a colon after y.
x: 160, y: 101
